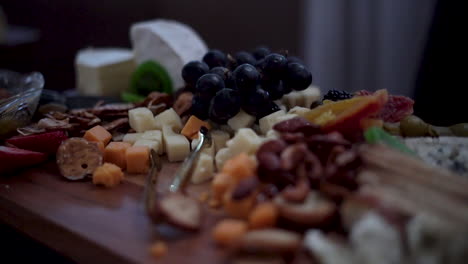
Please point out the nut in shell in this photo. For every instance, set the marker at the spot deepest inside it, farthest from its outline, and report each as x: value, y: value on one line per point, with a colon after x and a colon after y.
x: 77, y: 157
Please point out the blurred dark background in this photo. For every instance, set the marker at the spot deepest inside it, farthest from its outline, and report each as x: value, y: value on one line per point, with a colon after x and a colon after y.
x: 408, y: 47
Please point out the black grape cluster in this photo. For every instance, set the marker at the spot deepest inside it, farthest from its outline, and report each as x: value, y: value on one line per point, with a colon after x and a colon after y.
x: 224, y: 84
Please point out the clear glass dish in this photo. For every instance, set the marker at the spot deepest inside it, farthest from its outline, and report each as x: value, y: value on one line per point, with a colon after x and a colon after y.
x: 23, y: 92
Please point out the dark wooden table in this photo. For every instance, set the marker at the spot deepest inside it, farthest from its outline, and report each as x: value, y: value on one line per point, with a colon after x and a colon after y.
x: 90, y: 224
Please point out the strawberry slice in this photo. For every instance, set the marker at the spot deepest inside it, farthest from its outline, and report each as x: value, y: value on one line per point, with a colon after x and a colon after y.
x: 46, y: 142
x: 15, y: 158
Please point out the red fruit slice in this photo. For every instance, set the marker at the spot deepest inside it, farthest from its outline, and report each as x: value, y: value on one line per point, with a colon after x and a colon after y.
x: 15, y: 158
x: 396, y: 108
x: 349, y: 121
x: 46, y: 142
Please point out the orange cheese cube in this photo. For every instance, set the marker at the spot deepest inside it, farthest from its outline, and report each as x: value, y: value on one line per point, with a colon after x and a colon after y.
x: 240, y: 167
x: 220, y: 185
x: 229, y: 231
x: 108, y: 175
x: 100, y: 146
x: 192, y: 127
x: 115, y: 153
x: 137, y: 158
x: 98, y: 134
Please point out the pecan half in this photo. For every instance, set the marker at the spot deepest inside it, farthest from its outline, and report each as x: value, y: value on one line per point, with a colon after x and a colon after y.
x: 298, y: 124
x: 293, y: 155
x: 183, y: 103
x: 297, y: 193
x: 244, y: 188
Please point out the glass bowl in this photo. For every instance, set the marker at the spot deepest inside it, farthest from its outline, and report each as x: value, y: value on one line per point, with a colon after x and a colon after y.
x: 20, y: 97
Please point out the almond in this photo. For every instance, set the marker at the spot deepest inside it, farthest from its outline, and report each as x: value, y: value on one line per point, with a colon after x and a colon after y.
x: 181, y: 211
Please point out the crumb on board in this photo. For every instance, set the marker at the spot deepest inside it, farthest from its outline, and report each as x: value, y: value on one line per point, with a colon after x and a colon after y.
x: 158, y: 249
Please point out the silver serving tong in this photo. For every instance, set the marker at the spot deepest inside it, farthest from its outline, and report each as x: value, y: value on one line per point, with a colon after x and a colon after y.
x: 181, y: 176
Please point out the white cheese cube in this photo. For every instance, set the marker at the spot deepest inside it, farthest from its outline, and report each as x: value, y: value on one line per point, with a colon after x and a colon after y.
x: 221, y: 157
x: 310, y: 95
x: 141, y: 119
x: 284, y: 118
x: 210, y: 150
x: 241, y: 120
x: 170, y: 43
x: 132, y: 137
x: 204, y: 169
x: 169, y: 118
x: 292, y: 99
x: 177, y: 146
x: 227, y: 129
x: 103, y: 71
x: 219, y: 138
x: 299, y: 110
x: 267, y: 122
x: 155, y: 135
x: 151, y: 144
x: 272, y: 134
x: 245, y: 140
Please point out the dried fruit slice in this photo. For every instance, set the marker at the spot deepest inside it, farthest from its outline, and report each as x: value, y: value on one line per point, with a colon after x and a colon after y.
x: 15, y: 158
x: 77, y: 157
x: 46, y: 142
x: 181, y: 211
x: 271, y: 240
x: 396, y: 108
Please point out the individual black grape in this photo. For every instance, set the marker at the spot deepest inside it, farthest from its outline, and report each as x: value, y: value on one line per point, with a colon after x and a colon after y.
x: 194, y: 70
x: 293, y: 59
x: 261, y: 52
x: 215, y: 58
x: 275, y: 88
x: 254, y: 102
x: 274, y: 66
x: 297, y: 77
x: 200, y: 106
x: 209, y: 84
x: 226, y: 74
x: 246, y: 77
x: 269, y: 108
x: 224, y: 105
x: 242, y: 57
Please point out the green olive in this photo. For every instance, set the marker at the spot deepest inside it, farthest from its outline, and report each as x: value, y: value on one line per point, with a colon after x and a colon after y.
x: 413, y: 126
x: 392, y: 128
x: 460, y: 130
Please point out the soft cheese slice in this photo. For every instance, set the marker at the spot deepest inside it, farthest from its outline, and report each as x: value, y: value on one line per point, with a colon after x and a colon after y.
x: 132, y: 137
x: 151, y: 144
x: 168, y: 118
x: 103, y: 71
x: 168, y: 42
x: 267, y: 122
x: 241, y: 120
x: 141, y: 119
x: 154, y: 135
x: 204, y: 169
x: 177, y: 146
x: 245, y: 140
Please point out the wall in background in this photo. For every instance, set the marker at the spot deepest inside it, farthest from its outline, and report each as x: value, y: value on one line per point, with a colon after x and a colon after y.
x: 366, y: 44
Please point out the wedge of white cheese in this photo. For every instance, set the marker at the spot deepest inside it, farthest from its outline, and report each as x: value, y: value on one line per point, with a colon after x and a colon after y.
x: 103, y: 71
x: 170, y: 43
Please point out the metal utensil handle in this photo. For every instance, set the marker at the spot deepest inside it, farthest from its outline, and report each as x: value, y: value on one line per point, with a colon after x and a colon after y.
x: 150, y: 186
x: 184, y: 170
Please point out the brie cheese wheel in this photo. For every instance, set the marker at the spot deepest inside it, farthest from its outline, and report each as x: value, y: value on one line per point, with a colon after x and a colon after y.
x: 170, y: 43
x: 103, y: 71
